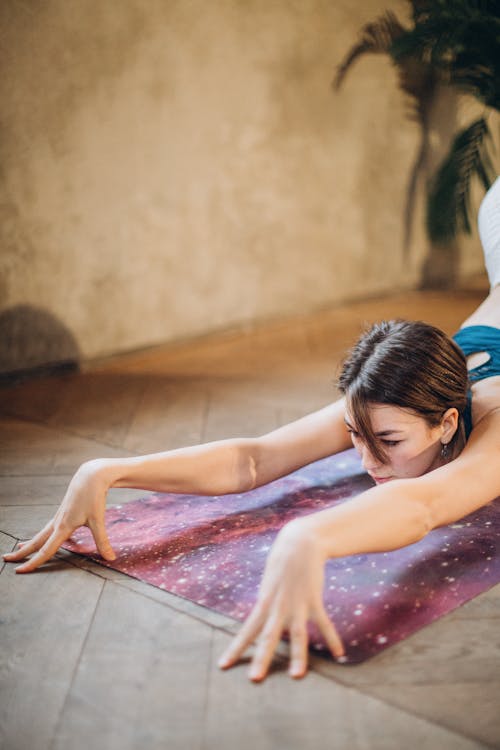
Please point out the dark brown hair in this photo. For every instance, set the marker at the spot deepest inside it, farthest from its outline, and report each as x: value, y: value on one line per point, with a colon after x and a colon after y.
x: 409, y: 364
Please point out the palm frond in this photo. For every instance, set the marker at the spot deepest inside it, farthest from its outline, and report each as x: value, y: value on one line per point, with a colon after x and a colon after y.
x: 448, y: 200
x: 479, y: 80
x: 418, y: 81
x: 460, y: 39
x: 444, y: 25
x: 375, y: 37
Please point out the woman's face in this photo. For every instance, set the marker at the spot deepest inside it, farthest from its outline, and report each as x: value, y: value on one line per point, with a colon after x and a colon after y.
x: 413, y: 447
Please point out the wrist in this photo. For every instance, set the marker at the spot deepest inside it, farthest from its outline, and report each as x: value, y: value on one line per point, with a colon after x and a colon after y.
x: 312, y: 531
x: 104, y: 471
x: 302, y: 533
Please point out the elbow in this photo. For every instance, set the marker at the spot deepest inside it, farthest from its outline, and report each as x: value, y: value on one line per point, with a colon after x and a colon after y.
x: 417, y: 510
x: 246, y: 470
x: 423, y: 521
x: 412, y: 518
x: 249, y: 474
x: 252, y: 471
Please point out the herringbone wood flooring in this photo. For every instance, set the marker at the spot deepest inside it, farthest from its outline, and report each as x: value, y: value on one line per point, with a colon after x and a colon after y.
x: 92, y: 658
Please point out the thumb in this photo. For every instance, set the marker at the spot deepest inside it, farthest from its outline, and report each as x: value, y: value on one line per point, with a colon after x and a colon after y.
x: 102, y: 541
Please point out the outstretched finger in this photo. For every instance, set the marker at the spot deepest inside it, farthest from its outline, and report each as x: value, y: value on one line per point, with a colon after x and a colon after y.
x: 101, y: 539
x: 245, y: 636
x: 32, y: 545
x: 329, y: 631
x: 298, y: 648
x: 48, y: 549
x: 266, y: 646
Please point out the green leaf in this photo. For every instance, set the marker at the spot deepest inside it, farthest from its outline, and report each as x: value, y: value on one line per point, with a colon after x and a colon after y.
x: 448, y: 200
x: 376, y: 38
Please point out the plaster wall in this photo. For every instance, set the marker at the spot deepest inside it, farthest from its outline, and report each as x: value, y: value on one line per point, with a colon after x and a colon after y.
x: 172, y: 167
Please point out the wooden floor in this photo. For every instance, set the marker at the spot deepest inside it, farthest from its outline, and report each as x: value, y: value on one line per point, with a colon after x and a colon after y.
x: 93, y: 659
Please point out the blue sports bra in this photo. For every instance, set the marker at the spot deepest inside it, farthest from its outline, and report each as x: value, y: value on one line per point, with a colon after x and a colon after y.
x: 474, y: 339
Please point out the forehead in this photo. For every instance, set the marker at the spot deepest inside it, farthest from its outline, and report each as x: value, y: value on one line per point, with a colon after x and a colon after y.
x: 385, y: 417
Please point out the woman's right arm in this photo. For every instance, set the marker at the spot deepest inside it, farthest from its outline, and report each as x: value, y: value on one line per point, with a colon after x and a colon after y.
x: 216, y: 468
x: 235, y: 465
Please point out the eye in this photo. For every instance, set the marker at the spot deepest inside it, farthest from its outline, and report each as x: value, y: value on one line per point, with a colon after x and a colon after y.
x: 353, y: 433
x: 391, y: 443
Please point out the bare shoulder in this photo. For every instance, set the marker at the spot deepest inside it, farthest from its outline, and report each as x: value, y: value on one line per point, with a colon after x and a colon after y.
x: 485, y: 398
x: 317, y: 435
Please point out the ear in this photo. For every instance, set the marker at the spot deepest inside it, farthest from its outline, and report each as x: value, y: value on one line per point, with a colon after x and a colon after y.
x: 449, y: 423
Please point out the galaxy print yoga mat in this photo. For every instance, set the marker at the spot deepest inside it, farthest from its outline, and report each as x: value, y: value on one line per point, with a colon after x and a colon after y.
x: 212, y: 550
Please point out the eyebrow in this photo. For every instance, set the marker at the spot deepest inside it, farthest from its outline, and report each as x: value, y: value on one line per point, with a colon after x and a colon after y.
x: 378, y: 434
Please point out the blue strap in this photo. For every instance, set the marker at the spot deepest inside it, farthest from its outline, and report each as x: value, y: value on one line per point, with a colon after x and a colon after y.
x: 472, y: 339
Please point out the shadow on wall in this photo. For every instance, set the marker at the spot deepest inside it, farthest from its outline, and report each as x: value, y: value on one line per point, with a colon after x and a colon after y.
x: 32, y: 342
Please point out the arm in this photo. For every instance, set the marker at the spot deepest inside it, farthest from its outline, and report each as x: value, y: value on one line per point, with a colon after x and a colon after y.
x: 220, y: 467
x: 236, y: 465
x: 383, y: 518
x: 403, y: 511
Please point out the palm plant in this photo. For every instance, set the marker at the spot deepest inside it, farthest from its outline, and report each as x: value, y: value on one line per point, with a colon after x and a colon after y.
x: 451, y: 42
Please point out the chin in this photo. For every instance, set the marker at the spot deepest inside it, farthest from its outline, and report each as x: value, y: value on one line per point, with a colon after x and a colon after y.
x: 382, y: 480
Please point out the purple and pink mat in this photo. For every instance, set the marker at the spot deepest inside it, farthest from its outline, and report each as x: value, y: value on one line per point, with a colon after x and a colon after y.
x: 212, y: 551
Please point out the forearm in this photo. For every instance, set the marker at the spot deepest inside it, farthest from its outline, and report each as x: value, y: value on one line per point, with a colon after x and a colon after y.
x: 216, y: 468
x: 381, y: 519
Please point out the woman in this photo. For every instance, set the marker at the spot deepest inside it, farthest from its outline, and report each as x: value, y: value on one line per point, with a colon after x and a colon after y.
x: 426, y: 430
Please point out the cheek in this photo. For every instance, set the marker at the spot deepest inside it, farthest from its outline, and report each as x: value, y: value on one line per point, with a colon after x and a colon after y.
x: 414, y: 455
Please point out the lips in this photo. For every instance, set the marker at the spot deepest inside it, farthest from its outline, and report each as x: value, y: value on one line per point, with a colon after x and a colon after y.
x: 380, y: 480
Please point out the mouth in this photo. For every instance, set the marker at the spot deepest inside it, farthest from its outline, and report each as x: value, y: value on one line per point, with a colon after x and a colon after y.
x: 380, y: 480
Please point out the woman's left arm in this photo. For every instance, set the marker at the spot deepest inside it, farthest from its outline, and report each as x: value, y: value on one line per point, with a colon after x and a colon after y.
x: 383, y: 518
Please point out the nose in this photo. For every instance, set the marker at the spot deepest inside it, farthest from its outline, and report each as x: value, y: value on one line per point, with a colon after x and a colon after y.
x: 368, y: 460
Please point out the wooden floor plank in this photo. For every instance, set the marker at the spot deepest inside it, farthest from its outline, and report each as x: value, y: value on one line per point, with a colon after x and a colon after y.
x: 24, y: 521
x: 222, y: 354
x: 49, y: 489
x: 7, y: 544
x: 41, y: 489
x: 95, y: 406
x: 231, y: 384
x: 452, y: 705
x: 44, y: 623
x: 35, y: 399
x: 175, y: 602
x: 485, y: 605
x: 254, y: 418
x: 170, y: 415
x: 308, y: 714
x: 37, y: 449
x: 446, y: 651
x: 106, y: 409
x: 141, y: 681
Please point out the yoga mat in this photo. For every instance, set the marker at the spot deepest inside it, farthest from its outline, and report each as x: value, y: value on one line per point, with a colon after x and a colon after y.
x: 212, y: 550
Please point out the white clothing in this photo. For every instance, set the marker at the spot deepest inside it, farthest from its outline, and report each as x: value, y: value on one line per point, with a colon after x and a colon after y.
x: 489, y: 231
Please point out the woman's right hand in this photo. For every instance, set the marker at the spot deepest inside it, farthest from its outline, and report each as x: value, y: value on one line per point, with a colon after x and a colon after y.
x: 83, y: 504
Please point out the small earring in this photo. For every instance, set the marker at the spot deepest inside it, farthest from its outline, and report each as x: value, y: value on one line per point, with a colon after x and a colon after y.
x: 444, y: 450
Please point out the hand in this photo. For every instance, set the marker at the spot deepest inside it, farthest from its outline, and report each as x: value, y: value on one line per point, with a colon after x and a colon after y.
x: 291, y: 593
x: 83, y: 505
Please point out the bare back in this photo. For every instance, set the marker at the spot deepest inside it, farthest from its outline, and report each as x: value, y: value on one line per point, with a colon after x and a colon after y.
x: 485, y: 393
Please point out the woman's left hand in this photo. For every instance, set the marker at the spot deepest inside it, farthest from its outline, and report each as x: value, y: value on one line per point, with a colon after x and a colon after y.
x: 290, y: 594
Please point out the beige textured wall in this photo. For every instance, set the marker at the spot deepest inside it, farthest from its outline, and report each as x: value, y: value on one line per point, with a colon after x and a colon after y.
x: 171, y: 167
